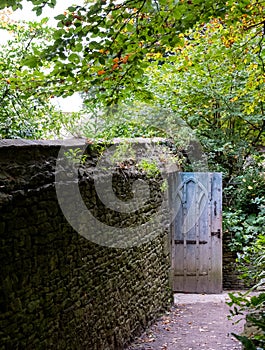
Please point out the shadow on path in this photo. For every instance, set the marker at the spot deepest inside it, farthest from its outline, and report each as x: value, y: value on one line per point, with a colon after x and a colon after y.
x: 195, y: 322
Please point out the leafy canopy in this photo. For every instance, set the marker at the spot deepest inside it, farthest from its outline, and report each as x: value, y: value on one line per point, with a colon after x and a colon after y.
x: 25, y: 107
x: 102, y: 48
x: 214, y: 80
x: 118, y: 50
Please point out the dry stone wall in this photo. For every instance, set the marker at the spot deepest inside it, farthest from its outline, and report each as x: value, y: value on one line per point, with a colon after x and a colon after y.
x: 231, y: 275
x: 59, y: 290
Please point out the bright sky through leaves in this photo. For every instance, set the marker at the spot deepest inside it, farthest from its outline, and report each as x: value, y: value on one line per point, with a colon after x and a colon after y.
x: 27, y: 14
x: 70, y: 104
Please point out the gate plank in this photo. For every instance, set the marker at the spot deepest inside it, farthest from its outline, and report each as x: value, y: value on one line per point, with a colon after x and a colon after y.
x: 216, y: 233
x: 196, y: 203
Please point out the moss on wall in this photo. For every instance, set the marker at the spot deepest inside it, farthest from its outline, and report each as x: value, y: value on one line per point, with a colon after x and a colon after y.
x: 58, y: 289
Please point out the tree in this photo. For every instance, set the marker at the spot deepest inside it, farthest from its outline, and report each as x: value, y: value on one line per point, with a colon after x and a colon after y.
x: 214, y: 80
x: 102, y: 47
x: 17, y: 4
x: 25, y: 107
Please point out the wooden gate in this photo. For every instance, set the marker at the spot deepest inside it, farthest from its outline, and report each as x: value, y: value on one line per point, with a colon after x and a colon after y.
x: 196, y: 202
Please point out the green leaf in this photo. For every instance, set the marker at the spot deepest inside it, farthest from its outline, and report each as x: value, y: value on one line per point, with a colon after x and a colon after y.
x: 38, y: 10
x: 30, y: 61
x: 74, y: 58
x: 58, y: 33
x: 71, y: 9
x: 95, y: 45
x: 101, y: 60
x: 78, y: 47
x: 60, y: 17
x: 248, y: 344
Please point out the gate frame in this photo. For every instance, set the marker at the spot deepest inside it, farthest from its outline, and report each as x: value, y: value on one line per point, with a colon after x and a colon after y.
x: 215, y: 207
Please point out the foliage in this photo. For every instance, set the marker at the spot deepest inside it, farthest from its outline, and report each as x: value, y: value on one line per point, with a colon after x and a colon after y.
x: 247, y: 186
x: 254, y: 306
x: 251, y: 257
x: 104, y: 47
x: 105, y: 50
x: 201, y: 61
x: 206, y: 82
x: 150, y: 167
x: 243, y: 216
x: 76, y: 156
x: 152, y: 159
x: 246, y: 233
x: 129, y: 129
x: 246, y: 222
x: 105, y: 43
x: 26, y: 109
x: 124, y: 120
x: 123, y: 152
x: 247, y: 239
x: 38, y: 5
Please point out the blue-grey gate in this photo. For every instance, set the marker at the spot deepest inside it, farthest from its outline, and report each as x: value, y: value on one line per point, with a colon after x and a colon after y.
x: 196, y: 202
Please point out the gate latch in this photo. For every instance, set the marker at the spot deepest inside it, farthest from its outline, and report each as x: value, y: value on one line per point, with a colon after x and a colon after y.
x: 217, y: 233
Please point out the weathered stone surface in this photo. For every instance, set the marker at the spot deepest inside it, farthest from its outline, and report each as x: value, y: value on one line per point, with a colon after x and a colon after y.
x: 59, y: 290
x: 231, y: 276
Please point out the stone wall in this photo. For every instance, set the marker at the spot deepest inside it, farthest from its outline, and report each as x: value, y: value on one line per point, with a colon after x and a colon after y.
x: 231, y: 276
x: 58, y: 289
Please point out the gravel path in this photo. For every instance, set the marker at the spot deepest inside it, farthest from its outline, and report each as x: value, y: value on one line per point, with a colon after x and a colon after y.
x: 196, y: 322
